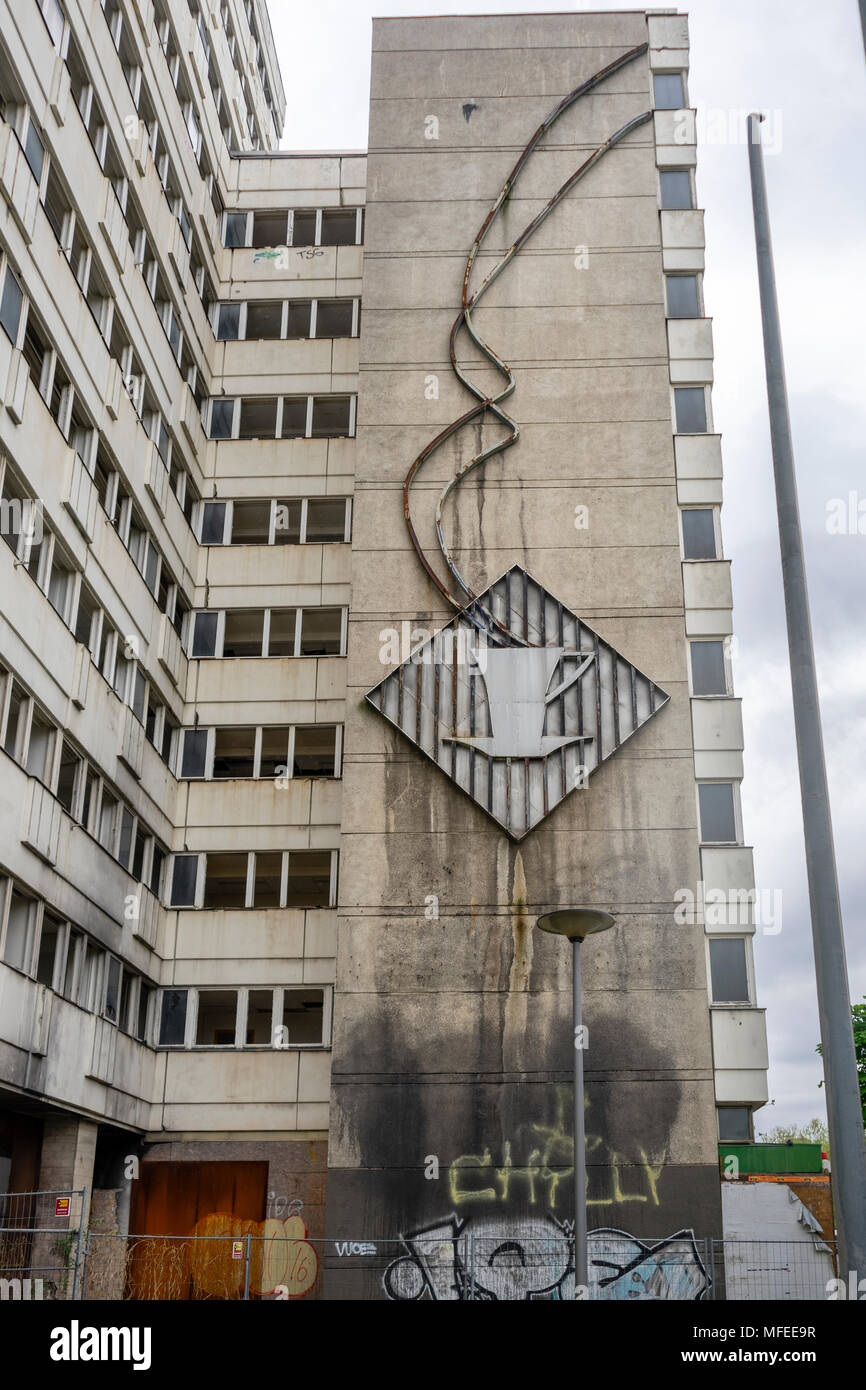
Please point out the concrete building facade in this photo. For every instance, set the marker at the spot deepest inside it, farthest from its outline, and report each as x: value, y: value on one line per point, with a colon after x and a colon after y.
x: 258, y: 956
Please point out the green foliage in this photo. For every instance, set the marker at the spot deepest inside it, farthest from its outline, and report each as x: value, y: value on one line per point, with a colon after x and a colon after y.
x: 815, y: 1132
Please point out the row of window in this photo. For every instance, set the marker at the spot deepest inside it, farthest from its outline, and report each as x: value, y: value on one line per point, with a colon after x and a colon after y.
x: 268, y: 632
x: 294, y: 227
x: 36, y: 549
x: 292, y: 521
x: 273, y: 752
x: 34, y: 741
x: 302, y: 878
x: 266, y: 319
x: 41, y: 944
x: 281, y: 417
x: 274, y: 1018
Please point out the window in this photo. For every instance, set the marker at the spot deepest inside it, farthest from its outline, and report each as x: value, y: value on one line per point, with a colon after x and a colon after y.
x: 300, y: 311
x: 315, y: 751
x: 244, y: 633
x: 193, y: 759
x: 274, y: 757
x: 20, y: 925
x: 204, y: 634
x: 265, y: 319
x: 15, y: 722
x: 225, y: 883
x: 52, y: 13
x: 331, y: 417
x: 304, y: 229
x: 145, y: 994
x: 235, y: 229
x: 213, y: 523
x: 683, y: 301
x: 270, y: 229
x: 50, y: 946
x: 321, y: 632
x: 326, y: 519
x: 228, y: 322
x: 718, y: 818
x: 691, y: 409
x: 294, y: 417
x: 267, y: 879
x: 112, y: 990
x: 183, y: 880
x: 699, y: 533
x: 11, y: 302
x: 67, y: 782
x: 729, y: 976
x: 216, y: 1025
x: 283, y: 632
x: 40, y: 750
x: 709, y: 676
x: 34, y: 150
x: 258, y: 419
x: 339, y: 227
x: 287, y: 522
x: 735, y: 1124
x: 676, y: 186
x: 334, y: 318
x: 234, y: 753
x: 251, y: 523
x: 260, y: 1012
x: 172, y: 1018
x: 303, y: 1016
x: 221, y: 418
x: 309, y: 879
x: 668, y: 91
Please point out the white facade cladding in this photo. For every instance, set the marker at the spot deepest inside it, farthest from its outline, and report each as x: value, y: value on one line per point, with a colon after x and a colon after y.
x: 180, y: 319
x: 725, y: 898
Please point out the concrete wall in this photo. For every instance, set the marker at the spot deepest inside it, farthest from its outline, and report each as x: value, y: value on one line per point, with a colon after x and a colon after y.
x: 452, y: 1056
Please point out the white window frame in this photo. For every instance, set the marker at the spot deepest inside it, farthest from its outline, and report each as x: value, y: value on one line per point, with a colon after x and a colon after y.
x: 717, y: 532
x: 738, y: 810
x: 724, y: 642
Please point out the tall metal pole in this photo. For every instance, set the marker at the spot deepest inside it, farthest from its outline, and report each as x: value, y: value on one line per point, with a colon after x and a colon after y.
x: 580, y: 1258
x: 844, y: 1115
x: 863, y: 20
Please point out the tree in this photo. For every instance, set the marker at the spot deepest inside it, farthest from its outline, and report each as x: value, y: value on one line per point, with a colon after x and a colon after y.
x: 858, y: 1023
x: 815, y: 1132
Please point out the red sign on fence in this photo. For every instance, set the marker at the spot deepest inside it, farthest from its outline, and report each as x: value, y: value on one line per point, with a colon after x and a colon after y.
x: 61, y: 1206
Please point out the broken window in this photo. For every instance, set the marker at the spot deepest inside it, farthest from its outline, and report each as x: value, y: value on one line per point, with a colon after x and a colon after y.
x: 309, y: 883
x: 216, y: 1025
x: 334, y: 318
x: 326, y: 519
x: 303, y: 1016
x: 225, y: 884
x: 268, y: 875
x: 251, y: 523
x: 244, y: 631
x: 234, y: 752
x: 321, y: 632
x: 315, y: 751
x: 331, y: 417
x: 282, y: 634
x: 264, y: 319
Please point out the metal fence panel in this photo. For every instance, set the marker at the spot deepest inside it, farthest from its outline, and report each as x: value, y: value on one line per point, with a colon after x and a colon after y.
x: 41, y: 1245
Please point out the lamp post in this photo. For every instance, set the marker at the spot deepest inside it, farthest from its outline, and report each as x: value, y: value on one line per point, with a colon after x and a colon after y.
x: 576, y: 924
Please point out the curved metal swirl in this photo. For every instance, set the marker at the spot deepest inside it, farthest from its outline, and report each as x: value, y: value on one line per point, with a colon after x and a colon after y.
x: 479, y: 615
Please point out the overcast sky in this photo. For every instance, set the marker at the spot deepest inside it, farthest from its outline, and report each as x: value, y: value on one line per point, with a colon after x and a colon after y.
x: 804, y: 65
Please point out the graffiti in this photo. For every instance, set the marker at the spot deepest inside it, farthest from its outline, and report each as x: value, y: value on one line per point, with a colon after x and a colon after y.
x: 281, y: 1259
x: 545, y: 1161
x: 280, y: 1206
x: 462, y: 1261
x: 354, y: 1247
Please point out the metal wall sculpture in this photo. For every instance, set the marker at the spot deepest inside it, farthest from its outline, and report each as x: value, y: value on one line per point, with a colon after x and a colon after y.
x: 517, y: 727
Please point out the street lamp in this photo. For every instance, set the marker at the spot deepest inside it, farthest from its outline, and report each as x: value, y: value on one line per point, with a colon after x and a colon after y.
x: 577, y: 923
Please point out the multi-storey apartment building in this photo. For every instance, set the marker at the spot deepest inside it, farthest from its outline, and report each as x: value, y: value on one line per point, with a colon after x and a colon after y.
x: 206, y: 568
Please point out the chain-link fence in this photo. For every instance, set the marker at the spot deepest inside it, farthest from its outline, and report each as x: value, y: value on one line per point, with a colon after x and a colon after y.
x: 41, y: 1244
x: 43, y: 1255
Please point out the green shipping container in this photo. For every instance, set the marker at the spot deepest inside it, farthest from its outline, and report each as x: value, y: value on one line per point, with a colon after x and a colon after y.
x: 773, y: 1158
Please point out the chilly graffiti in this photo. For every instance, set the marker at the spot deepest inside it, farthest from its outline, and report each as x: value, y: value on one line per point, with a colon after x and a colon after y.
x: 538, y: 1162
x: 461, y: 1261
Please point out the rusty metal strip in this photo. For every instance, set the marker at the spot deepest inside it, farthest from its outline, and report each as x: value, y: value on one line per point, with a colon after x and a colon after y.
x: 480, y: 616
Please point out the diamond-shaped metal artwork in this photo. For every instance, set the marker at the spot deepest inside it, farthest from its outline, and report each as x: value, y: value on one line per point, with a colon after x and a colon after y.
x: 517, y: 727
